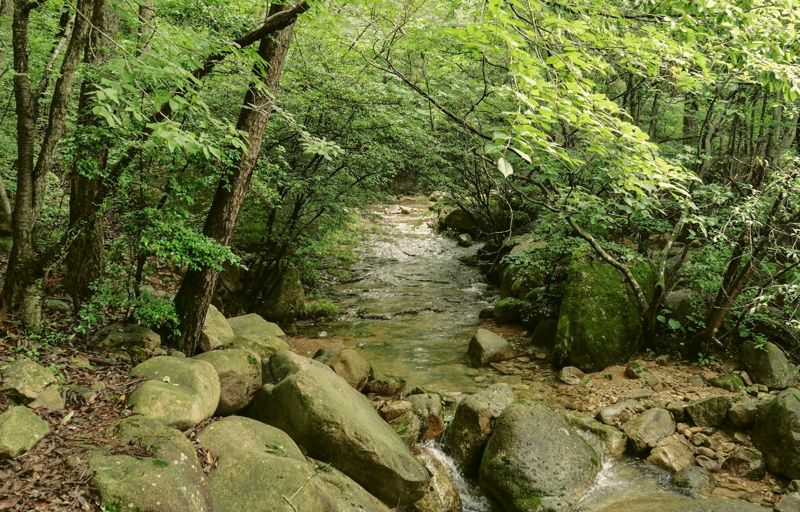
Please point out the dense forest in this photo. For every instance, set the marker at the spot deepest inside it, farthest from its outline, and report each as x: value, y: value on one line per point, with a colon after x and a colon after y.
x: 161, y: 156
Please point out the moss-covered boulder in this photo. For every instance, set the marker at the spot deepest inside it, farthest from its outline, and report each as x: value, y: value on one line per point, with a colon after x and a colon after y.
x: 20, y: 430
x: 217, y: 332
x: 169, y: 480
x: 180, y: 393
x: 286, y: 299
x: 767, y: 365
x: 467, y: 434
x: 599, y: 322
x: 337, y: 424
x: 254, y: 333
x: 135, y: 340
x: 23, y: 380
x: 777, y: 433
x: 509, y: 311
x: 535, y: 461
x: 239, y: 374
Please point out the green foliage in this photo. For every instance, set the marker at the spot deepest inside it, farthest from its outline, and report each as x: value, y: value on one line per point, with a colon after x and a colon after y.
x: 321, y: 309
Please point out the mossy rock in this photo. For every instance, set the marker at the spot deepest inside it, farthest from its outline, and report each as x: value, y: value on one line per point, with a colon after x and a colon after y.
x: 777, y: 433
x: 217, y: 332
x: 252, y: 332
x: 239, y: 373
x: 24, y: 380
x: 20, y: 430
x: 509, y: 311
x: 730, y: 382
x: 599, y: 322
x: 286, y: 300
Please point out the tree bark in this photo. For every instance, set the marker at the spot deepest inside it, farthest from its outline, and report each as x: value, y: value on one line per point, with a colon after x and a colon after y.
x: 197, y: 287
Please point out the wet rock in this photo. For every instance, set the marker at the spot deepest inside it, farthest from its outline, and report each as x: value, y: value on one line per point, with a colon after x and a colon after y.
x: 428, y: 408
x: 612, y: 439
x: 730, y: 382
x: 217, y: 332
x: 23, y: 381
x: 466, y: 436
x: 599, y: 321
x: 465, y: 240
x: 742, y: 414
x: 746, y: 463
x: 180, y: 393
x: 442, y: 494
x: 286, y: 299
x: 239, y: 374
x: 635, y: 370
x: 617, y: 413
x: 789, y: 503
x: 777, y: 433
x: 20, y: 430
x: 254, y: 333
x: 545, y: 333
x: 707, y: 463
x: 709, y: 412
x: 767, y: 365
x: 385, y: 385
x: 350, y: 365
x: 337, y: 424
x: 571, y: 375
x: 487, y: 347
x: 648, y: 428
x: 534, y: 460
x: 672, y: 453
x: 694, y: 478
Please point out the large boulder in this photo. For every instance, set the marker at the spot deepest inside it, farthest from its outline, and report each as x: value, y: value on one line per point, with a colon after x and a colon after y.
x: 767, y: 365
x: 254, y: 333
x: 535, y: 461
x: 20, y: 430
x: 217, y: 332
x: 645, y: 430
x: 286, y: 299
x: 487, y: 347
x: 348, y: 364
x: 239, y: 373
x: 599, y: 321
x: 23, y: 380
x: 467, y: 434
x: 180, y: 392
x: 261, y: 469
x: 337, y: 424
x: 169, y: 480
x: 777, y: 433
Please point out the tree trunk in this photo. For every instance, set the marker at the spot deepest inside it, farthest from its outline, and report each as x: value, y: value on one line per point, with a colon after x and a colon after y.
x: 197, y: 287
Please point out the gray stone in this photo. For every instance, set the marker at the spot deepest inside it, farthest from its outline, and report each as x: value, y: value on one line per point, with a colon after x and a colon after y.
x: 571, y: 375
x: 23, y: 381
x: 776, y: 433
x: 459, y: 221
x: 742, y: 414
x: 672, y: 453
x: 611, y: 440
x: 617, y: 413
x: 707, y: 463
x: 239, y: 374
x: 647, y: 429
x: 789, y: 503
x: 677, y: 409
x: 709, y: 412
x: 767, y: 365
x: 20, y: 430
x: 746, y: 463
x: 534, y: 460
x: 487, y: 347
x: 395, y: 409
x: 217, y: 332
x: 466, y: 436
x: 693, y: 478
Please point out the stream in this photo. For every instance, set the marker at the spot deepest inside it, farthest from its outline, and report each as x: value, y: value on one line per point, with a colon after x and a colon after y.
x: 412, y: 307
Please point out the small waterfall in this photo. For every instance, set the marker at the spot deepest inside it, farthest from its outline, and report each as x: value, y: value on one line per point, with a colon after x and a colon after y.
x: 471, y: 499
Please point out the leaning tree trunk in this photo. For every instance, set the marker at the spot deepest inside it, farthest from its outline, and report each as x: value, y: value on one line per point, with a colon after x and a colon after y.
x: 197, y: 287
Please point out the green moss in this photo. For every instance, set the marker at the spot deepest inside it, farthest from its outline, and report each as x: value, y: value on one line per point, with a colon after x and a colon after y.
x: 509, y: 310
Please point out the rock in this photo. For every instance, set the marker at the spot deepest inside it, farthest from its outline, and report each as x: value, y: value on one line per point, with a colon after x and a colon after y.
x: 459, y: 221
x: 20, y: 430
x: 678, y: 504
x: 286, y: 299
x: 693, y: 478
x: 428, y: 408
x: 640, y: 393
x: 57, y: 306
x: 408, y: 427
x: 706, y: 451
x: 677, y: 409
x: 635, y: 370
x: 794, y: 486
x: 571, y: 375
x: 647, y: 429
x: 350, y: 365
x: 709, y: 412
x: 217, y: 332
x: 617, y: 413
x: 662, y: 360
x: 465, y: 240
x: 437, y: 196
x: 254, y: 333
x: 613, y: 440
x: 776, y: 433
x: 394, y: 409
x: 337, y: 424
x: 767, y: 365
x: 599, y: 319
x: 672, y: 453
x: 50, y: 399
x: 508, y: 311
x: 180, y: 393
x: 171, y: 480
x: 23, y: 381
x: 487, y: 347
x: 789, y: 503
x: 544, y: 335
x: 486, y: 313
x: 468, y: 432
x: 707, y: 463
x: 746, y: 463
x: 679, y: 303
x: 239, y: 374
x: 127, y: 337
x: 742, y: 414
x: 385, y: 385
x: 730, y: 382
x: 534, y: 460
x: 442, y: 494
